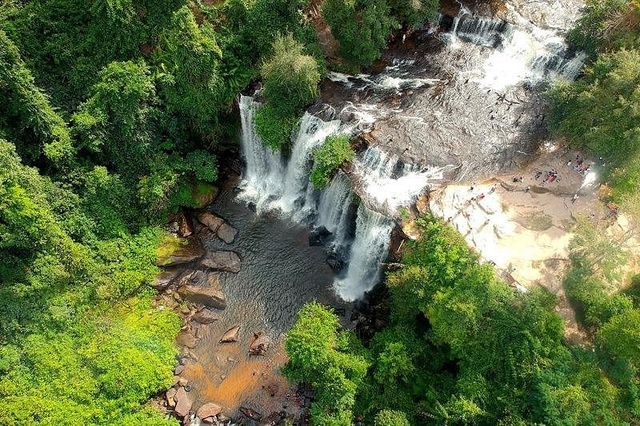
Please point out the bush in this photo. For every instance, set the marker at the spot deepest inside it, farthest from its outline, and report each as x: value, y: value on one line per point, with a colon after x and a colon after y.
x: 391, y: 418
x: 361, y: 28
x: 290, y: 77
x: 414, y: 13
x: 335, y: 151
x: 273, y: 128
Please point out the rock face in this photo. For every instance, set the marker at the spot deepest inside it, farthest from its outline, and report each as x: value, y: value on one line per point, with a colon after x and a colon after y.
x: 205, y: 295
x: 183, y: 403
x: 170, y: 395
x: 185, y: 338
x: 218, y: 226
x: 231, y: 335
x: 164, y: 279
x: 185, y: 227
x: 187, y: 252
x: 227, y: 261
x: 205, y: 316
x: 199, y: 278
x: 209, y: 410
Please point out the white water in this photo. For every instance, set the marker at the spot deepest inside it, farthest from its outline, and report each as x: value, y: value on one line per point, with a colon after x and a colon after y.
x: 523, y: 52
x: 387, y: 183
x: 333, y: 209
x: 369, y: 249
x: 267, y: 181
x: 262, y: 180
x: 311, y: 134
x: 390, y: 184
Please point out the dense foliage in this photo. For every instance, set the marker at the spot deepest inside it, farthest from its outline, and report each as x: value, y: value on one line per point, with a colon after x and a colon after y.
x: 600, y: 110
x: 290, y: 80
x: 463, y: 347
x: 362, y: 27
x: 327, y: 158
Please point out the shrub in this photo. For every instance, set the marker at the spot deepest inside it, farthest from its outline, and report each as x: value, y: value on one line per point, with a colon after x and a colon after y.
x: 361, y: 28
x: 414, y: 12
x: 274, y: 129
x: 335, y: 151
x: 391, y: 418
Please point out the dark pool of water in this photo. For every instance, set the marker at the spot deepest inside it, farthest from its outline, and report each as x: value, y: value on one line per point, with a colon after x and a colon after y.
x: 280, y: 271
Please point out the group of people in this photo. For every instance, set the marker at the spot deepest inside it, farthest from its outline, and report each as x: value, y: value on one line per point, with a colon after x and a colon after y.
x: 580, y: 165
x: 547, y: 177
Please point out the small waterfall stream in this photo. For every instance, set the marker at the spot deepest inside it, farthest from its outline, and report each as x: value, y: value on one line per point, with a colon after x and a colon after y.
x: 333, y: 209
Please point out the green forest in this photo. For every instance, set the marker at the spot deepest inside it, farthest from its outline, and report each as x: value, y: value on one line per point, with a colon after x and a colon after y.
x: 116, y: 114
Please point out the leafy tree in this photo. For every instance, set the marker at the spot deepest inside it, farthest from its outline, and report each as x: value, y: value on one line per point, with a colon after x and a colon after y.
x: 29, y: 106
x: 414, y: 13
x: 360, y: 27
x: 620, y: 336
x: 327, y: 359
x: 391, y: 418
x: 332, y: 154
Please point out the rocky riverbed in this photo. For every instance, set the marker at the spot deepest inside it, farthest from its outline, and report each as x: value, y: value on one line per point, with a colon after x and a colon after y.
x: 238, y: 281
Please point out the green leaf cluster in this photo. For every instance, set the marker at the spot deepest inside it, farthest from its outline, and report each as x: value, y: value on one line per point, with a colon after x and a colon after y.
x: 326, y: 159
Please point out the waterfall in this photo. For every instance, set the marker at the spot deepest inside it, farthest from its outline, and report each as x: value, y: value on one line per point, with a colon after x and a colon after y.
x: 263, y: 176
x: 522, y: 52
x: 388, y: 183
x: 333, y: 209
x: 369, y: 249
x: 267, y: 181
x: 311, y: 134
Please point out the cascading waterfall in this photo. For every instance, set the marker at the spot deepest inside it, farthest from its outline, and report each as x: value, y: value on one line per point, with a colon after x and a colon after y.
x: 369, y: 249
x: 263, y: 176
x: 523, y: 51
x: 386, y: 182
x: 297, y: 194
x: 333, y: 209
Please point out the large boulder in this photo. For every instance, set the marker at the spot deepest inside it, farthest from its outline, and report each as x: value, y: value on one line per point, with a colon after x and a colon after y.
x: 206, y: 295
x: 227, y: 233
x: 211, y: 221
x: 177, y: 252
x: 199, y: 278
x: 230, y: 335
x: 185, y: 227
x: 227, y: 261
x: 209, y: 410
x: 183, y: 403
x: 205, y: 316
x: 170, y: 395
x: 164, y: 279
x: 185, y: 338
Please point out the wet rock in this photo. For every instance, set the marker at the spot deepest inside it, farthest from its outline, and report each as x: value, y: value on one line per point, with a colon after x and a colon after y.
x: 211, y: 221
x: 198, y: 278
x: 250, y: 413
x: 209, y: 410
x: 209, y: 420
x: 183, y: 403
x: 170, y: 395
x: 185, y: 227
x: 230, y: 335
x: 164, y: 279
x: 318, y: 236
x: 227, y: 233
x: 186, y: 339
x: 260, y: 344
x: 335, y: 262
x: 422, y: 204
x: 205, y: 316
x: 208, y: 296
x: 227, y: 261
x: 186, y: 251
